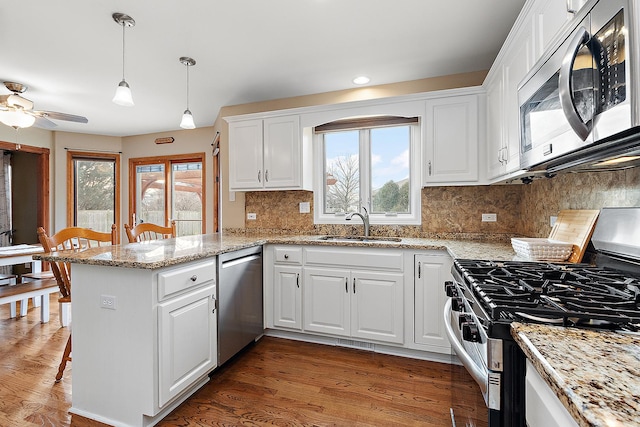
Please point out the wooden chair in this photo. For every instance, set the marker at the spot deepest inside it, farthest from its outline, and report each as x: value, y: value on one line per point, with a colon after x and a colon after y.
x: 76, y: 239
x: 149, y: 231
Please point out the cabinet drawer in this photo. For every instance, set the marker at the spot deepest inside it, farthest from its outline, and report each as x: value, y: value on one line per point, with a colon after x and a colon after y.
x: 179, y: 279
x: 288, y: 254
x: 355, y: 258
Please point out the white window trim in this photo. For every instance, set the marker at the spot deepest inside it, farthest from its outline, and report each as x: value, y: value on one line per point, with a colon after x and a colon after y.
x: 415, y: 218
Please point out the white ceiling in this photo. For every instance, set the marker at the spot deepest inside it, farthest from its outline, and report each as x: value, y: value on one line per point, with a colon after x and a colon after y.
x: 69, y: 52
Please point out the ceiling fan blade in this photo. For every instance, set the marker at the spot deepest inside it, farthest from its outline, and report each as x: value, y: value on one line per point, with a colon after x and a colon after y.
x: 44, y: 123
x: 61, y: 116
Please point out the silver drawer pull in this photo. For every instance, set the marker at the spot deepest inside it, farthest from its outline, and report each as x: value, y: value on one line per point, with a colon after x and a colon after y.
x: 193, y: 278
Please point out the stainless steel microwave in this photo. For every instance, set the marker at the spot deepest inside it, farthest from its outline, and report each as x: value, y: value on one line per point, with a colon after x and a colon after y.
x: 581, y: 97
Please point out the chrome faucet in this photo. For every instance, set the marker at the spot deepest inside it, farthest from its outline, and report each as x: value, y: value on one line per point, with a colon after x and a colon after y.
x: 365, y: 219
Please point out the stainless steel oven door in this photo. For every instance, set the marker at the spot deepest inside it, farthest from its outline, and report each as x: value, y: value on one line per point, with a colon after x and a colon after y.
x: 472, y: 355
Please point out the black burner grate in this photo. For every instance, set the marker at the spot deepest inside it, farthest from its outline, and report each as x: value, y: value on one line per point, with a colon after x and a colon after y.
x: 554, y: 293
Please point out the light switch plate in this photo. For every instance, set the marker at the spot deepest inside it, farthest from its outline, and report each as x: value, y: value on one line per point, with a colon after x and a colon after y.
x: 251, y: 216
x: 305, y: 207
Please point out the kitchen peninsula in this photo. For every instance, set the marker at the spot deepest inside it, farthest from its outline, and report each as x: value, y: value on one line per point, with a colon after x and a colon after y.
x: 144, y: 323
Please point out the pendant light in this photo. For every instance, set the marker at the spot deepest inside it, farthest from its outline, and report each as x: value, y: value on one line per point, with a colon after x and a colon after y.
x: 123, y: 92
x: 187, y: 117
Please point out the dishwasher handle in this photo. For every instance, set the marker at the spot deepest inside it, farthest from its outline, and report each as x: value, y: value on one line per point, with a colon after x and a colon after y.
x: 241, y: 260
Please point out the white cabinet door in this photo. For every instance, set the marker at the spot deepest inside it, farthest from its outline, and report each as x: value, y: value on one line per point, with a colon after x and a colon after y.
x: 451, y: 127
x: 377, y: 309
x: 431, y: 271
x: 326, y: 301
x: 186, y: 341
x: 517, y: 64
x: 245, y: 155
x: 543, y: 407
x: 548, y: 18
x: 287, y: 297
x: 282, y: 152
x: 495, y: 128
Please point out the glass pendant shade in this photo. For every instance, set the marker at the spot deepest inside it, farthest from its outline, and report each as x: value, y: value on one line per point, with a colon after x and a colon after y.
x: 187, y: 120
x: 17, y: 119
x: 123, y: 95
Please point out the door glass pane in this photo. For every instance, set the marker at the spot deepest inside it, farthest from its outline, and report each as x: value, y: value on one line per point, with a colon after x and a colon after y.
x: 95, y: 197
x: 150, y: 200
x: 342, y: 172
x: 186, y: 184
x: 390, y: 169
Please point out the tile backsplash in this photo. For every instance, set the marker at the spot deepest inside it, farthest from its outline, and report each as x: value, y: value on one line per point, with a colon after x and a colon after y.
x: 456, y: 212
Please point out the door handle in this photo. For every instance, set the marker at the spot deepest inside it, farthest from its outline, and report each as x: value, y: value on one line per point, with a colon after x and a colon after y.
x: 346, y: 284
x: 419, y: 269
x: 582, y: 129
x: 298, y: 280
x: 266, y: 175
x: 429, y: 167
x: 354, y: 285
x: 259, y: 176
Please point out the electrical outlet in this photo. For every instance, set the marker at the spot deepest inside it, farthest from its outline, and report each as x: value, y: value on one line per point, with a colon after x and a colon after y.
x: 489, y: 217
x: 552, y: 220
x: 108, y: 301
x: 305, y: 207
x: 251, y: 216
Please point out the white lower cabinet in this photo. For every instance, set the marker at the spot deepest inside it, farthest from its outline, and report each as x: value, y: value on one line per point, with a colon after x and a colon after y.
x: 431, y: 271
x: 366, y: 305
x: 287, y: 297
x: 136, y: 362
x: 543, y: 408
x: 186, y: 340
x: 379, y: 297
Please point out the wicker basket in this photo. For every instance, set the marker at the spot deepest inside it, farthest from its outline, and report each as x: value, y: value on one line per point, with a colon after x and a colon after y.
x: 542, y: 249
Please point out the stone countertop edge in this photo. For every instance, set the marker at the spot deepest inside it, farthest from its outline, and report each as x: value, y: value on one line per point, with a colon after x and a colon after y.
x: 594, y: 373
x: 163, y: 253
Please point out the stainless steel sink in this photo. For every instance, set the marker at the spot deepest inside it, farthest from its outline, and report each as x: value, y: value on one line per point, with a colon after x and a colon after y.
x: 361, y: 239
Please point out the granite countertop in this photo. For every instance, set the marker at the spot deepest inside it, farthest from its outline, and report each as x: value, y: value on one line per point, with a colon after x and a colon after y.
x: 595, y: 374
x: 163, y: 253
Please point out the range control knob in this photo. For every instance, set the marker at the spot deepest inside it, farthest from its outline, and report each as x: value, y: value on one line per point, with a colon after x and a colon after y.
x: 464, y: 318
x: 470, y: 332
x: 450, y: 289
x: 457, y: 304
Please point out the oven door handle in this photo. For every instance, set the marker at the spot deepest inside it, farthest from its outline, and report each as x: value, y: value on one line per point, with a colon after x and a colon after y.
x: 582, y: 129
x: 480, y: 375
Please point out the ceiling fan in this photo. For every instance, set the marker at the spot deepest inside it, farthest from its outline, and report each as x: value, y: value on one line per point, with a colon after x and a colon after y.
x: 17, y: 111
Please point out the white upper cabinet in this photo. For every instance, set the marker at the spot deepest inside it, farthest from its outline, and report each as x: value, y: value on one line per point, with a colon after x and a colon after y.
x: 548, y: 17
x: 245, y: 155
x: 534, y: 31
x: 451, y: 140
x: 266, y: 154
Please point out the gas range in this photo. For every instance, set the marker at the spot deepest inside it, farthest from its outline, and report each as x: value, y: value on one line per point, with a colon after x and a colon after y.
x: 487, y: 296
x: 567, y: 294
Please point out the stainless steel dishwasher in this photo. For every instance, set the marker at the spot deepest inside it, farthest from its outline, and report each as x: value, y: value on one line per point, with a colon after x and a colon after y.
x: 240, y: 319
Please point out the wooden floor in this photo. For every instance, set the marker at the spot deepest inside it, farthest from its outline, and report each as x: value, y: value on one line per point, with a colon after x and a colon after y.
x: 273, y: 383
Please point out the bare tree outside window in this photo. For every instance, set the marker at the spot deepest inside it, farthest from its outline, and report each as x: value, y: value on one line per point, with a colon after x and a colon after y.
x: 343, y: 185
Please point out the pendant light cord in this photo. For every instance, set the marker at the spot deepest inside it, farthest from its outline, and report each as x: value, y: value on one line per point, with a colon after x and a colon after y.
x: 123, y: 25
x: 187, y: 65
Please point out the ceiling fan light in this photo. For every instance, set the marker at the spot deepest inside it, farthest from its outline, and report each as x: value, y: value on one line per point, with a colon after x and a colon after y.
x: 123, y: 95
x: 17, y: 119
x: 187, y: 120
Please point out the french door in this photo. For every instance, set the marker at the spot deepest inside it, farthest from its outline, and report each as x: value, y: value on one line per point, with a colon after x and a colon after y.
x: 168, y: 188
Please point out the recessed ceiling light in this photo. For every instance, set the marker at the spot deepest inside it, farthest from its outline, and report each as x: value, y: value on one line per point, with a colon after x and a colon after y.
x: 361, y: 80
